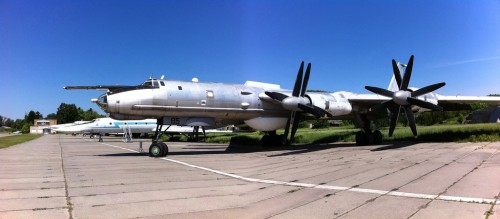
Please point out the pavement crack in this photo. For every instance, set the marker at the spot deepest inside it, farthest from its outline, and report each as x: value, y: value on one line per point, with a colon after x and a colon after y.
x: 68, y: 198
x: 490, y: 211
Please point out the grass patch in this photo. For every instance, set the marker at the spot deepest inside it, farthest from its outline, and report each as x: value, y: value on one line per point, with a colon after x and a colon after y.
x: 451, y: 133
x: 436, y: 133
x: 16, y: 139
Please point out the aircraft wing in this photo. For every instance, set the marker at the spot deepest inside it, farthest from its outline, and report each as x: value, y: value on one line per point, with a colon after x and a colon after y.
x: 449, y: 103
x: 464, y: 102
x: 98, y: 87
x: 366, y: 99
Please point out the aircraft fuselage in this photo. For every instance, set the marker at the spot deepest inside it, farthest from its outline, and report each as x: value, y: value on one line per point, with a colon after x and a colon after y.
x: 212, y: 104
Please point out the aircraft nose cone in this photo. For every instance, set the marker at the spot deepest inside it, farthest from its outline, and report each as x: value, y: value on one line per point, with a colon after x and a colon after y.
x: 102, y: 102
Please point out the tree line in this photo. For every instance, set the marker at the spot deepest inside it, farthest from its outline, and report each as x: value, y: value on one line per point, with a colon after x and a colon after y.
x: 66, y: 113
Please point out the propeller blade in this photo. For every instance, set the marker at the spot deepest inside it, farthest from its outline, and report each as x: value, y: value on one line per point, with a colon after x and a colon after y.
x: 407, y: 75
x: 424, y: 104
x: 306, y: 80
x: 394, y: 119
x: 380, y: 91
x: 316, y: 111
x: 276, y: 95
x: 295, y: 125
x: 411, y: 119
x: 298, y: 81
x: 287, y: 127
x: 427, y: 89
x: 397, y: 73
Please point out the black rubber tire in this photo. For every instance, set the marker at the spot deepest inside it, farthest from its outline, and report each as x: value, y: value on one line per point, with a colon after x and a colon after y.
x: 360, y: 138
x: 165, y: 149
x: 377, y: 137
x: 156, y: 150
x: 266, y: 141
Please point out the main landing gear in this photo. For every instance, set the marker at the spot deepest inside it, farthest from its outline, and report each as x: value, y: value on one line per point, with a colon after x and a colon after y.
x: 271, y: 139
x: 366, y: 136
x: 158, y: 149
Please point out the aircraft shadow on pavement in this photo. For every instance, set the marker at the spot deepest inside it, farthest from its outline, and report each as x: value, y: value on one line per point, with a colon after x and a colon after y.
x: 394, y: 145
x: 241, y: 149
x: 127, y: 154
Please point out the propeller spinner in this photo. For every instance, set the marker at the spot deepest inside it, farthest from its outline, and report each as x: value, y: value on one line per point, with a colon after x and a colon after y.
x: 297, y: 103
x: 404, y: 97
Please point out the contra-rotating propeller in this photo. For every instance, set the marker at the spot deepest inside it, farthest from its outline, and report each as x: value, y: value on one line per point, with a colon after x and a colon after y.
x: 298, y: 102
x: 404, y: 97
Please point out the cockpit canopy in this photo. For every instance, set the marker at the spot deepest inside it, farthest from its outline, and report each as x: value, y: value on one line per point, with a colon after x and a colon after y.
x: 153, y: 83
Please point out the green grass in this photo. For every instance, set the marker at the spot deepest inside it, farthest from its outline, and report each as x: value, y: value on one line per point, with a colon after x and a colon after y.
x: 16, y: 139
x: 436, y: 133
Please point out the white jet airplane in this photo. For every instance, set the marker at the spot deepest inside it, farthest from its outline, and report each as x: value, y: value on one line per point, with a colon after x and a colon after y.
x: 101, y: 126
x: 267, y: 107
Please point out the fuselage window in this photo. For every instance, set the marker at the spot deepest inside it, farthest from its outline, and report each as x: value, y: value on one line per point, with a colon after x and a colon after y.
x: 162, y: 83
x: 179, y: 87
x: 210, y: 94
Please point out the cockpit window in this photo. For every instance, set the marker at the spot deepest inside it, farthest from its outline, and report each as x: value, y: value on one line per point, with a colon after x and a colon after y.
x: 153, y: 83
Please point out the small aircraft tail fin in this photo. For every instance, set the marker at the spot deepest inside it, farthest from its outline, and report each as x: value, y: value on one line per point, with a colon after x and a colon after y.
x: 393, y: 85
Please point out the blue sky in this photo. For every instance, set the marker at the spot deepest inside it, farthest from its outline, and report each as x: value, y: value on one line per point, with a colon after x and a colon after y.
x: 45, y: 45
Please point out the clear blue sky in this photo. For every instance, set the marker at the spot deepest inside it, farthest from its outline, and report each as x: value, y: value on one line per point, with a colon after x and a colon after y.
x: 45, y: 45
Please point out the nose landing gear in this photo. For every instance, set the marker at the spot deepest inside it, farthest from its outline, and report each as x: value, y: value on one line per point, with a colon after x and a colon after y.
x: 158, y: 149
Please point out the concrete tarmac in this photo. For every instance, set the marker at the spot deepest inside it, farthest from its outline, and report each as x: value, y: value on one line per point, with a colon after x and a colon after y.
x: 62, y: 176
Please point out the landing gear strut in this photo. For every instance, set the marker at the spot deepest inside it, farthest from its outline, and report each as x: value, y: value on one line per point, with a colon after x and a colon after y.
x: 366, y: 136
x: 158, y: 149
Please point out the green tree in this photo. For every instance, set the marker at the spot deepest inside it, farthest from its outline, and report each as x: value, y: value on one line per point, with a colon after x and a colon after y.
x: 90, y: 114
x: 18, y: 124
x: 52, y: 116
x: 10, y: 123
x: 81, y: 113
x: 67, y: 113
x: 2, y: 121
x: 32, y: 116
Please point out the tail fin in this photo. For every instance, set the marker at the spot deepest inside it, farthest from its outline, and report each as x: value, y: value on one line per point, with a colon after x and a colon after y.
x: 393, y: 85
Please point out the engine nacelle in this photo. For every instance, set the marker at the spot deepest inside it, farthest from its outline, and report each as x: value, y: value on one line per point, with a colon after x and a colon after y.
x: 336, y: 106
x: 267, y: 123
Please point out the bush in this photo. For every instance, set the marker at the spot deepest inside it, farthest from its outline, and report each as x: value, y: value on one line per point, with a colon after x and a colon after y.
x: 26, y: 128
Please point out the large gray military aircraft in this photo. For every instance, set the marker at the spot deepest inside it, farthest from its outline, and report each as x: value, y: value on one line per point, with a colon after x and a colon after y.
x: 268, y: 107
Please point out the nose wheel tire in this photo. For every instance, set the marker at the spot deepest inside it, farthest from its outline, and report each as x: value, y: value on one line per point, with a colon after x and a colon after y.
x: 158, y: 149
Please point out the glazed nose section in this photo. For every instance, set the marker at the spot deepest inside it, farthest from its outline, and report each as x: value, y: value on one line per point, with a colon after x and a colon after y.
x: 102, y: 102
